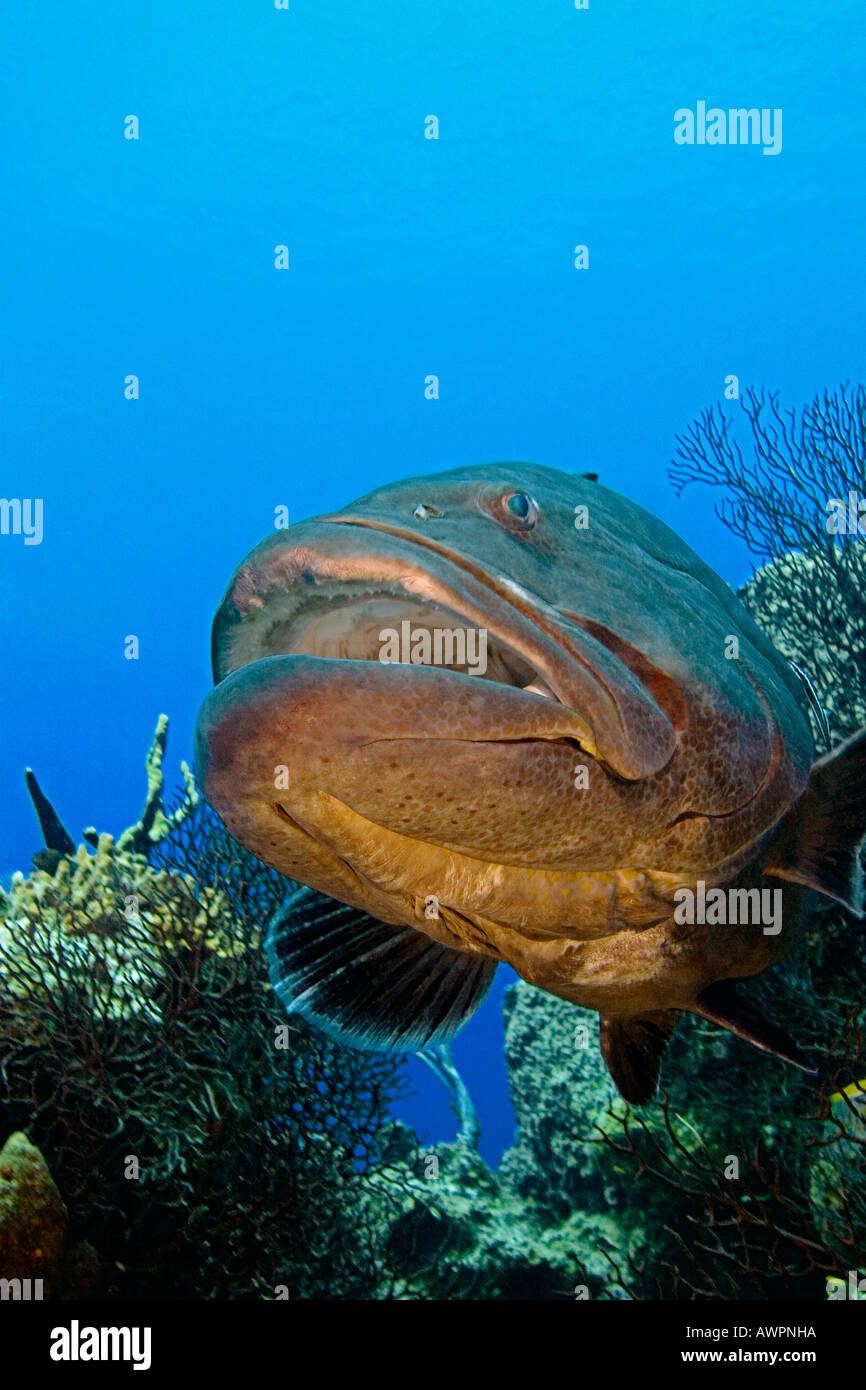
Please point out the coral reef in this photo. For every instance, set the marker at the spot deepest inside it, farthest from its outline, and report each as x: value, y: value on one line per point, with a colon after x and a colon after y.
x: 767, y: 1202
x: 113, y: 905
x: 207, y: 1147
x: 799, y: 602
x: 202, y: 1144
x: 452, y: 1229
x: 557, y: 1221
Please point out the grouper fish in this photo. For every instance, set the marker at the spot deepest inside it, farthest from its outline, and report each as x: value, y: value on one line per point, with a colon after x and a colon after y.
x: 632, y: 738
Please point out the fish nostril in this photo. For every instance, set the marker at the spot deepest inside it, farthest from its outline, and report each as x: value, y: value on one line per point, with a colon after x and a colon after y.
x: 425, y: 510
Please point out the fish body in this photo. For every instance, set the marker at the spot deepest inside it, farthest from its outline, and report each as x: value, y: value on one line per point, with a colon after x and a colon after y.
x: 855, y: 1092
x: 632, y: 739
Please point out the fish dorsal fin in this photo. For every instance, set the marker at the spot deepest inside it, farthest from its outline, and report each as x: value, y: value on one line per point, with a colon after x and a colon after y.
x: 721, y: 1004
x: 366, y: 984
x: 821, y: 837
x: 633, y: 1046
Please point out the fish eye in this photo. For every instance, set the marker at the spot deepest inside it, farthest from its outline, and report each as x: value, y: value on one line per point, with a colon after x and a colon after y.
x: 521, y: 507
x: 425, y: 510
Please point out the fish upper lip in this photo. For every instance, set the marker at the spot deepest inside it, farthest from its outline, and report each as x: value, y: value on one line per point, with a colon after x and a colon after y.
x: 544, y: 682
x: 506, y: 590
x: 532, y: 610
x: 524, y: 647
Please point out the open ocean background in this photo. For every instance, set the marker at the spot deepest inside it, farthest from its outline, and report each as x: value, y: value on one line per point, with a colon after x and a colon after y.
x: 408, y: 256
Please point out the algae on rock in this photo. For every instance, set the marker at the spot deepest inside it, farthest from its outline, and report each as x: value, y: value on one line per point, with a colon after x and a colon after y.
x: 33, y: 1218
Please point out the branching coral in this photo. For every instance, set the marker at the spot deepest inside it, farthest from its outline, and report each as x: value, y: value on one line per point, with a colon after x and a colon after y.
x: 155, y: 824
x: 780, y: 483
x: 152, y: 827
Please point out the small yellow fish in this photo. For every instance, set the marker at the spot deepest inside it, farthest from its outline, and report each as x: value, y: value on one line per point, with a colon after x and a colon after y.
x: 857, y: 1090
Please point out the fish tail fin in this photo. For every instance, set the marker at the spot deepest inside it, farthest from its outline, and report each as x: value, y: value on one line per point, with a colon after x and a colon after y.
x: 821, y: 838
x: 367, y: 984
x: 633, y: 1046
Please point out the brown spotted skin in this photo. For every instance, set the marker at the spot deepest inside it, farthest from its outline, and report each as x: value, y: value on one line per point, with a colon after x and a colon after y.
x: 410, y: 781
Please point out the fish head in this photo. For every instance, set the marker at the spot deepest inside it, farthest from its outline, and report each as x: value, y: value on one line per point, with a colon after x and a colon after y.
x: 576, y: 632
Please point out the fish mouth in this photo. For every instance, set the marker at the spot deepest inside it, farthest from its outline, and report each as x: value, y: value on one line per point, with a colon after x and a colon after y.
x: 515, y: 665
x: 342, y: 615
x: 339, y: 583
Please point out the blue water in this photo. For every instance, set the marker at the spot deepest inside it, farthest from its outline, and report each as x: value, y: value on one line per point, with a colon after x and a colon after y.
x: 408, y: 257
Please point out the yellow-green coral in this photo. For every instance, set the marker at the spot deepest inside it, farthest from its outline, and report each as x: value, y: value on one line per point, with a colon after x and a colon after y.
x: 86, y: 893
x: 154, y: 824
x: 111, y: 917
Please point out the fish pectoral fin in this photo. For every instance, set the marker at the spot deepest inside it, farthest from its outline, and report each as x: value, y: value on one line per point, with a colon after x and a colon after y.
x: 821, y: 837
x: 721, y: 1004
x: 633, y: 1046
x: 369, y: 985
